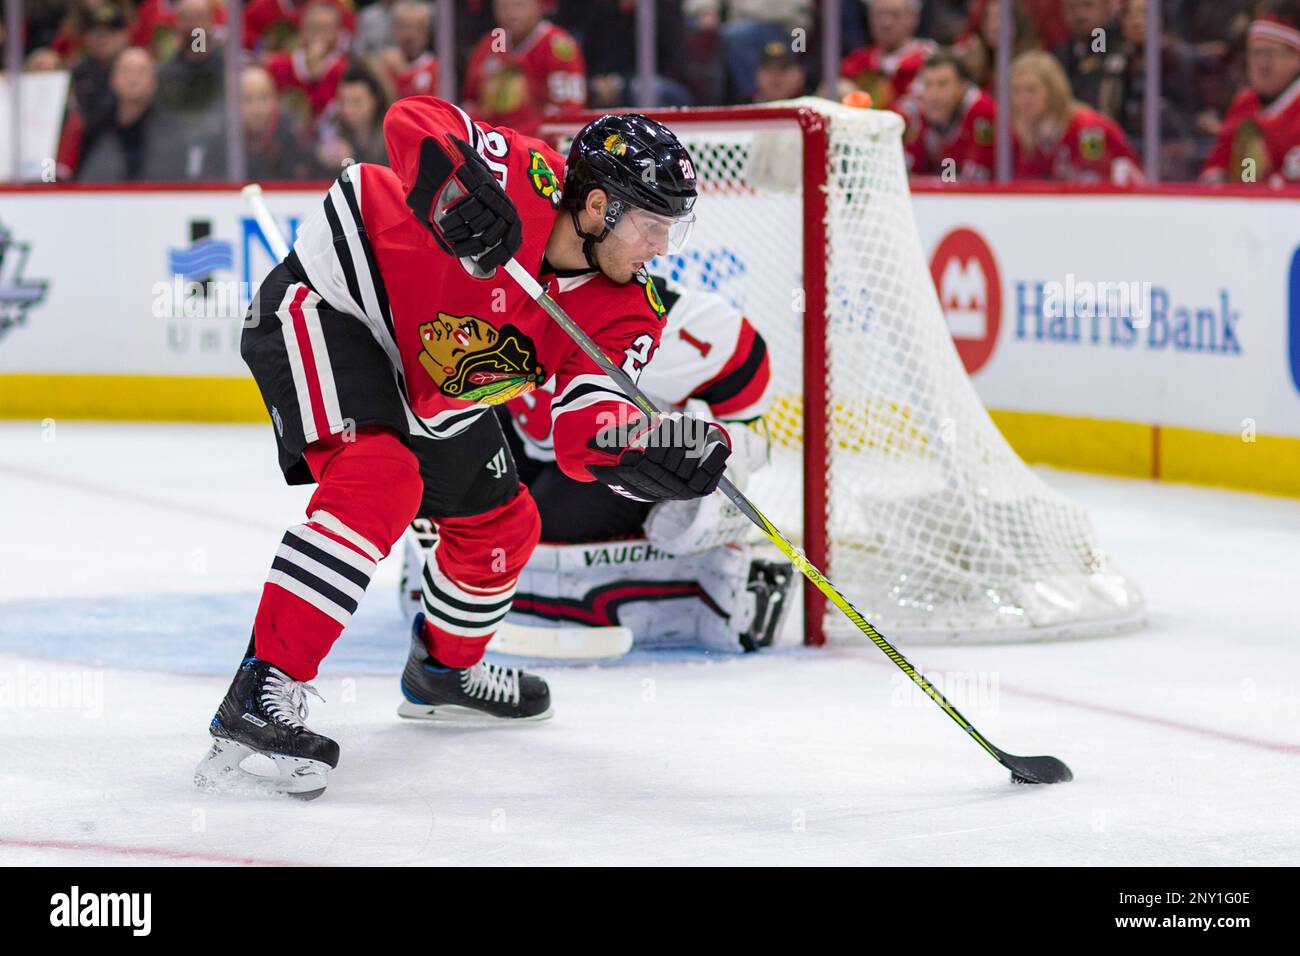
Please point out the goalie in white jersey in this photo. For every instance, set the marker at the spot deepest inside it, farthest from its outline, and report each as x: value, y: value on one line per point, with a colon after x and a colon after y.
x: 678, y: 573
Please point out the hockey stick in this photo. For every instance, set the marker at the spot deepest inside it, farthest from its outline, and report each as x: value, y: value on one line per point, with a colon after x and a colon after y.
x: 1023, y: 769
x: 252, y: 194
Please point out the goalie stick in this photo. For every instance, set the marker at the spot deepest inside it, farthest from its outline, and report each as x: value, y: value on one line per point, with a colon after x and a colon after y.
x: 1043, y: 769
x: 519, y: 640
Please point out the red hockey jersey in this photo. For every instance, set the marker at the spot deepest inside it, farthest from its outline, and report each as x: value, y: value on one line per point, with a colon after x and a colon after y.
x: 1268, y: 134
x: 459, y: 344
x: 1091, y: 149
x: 890, y: 78
x: 289, y: 71
x: 417, y: 78
x: 519, y: 86
x: 710, y: 352
x: 967, y: 141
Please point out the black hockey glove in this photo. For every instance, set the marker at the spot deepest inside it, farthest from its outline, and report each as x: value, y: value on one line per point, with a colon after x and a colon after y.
x: 464, y: 206
x: 677, y: 458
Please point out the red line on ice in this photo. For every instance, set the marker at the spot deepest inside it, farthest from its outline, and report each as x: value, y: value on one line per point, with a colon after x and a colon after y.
x: 161, y: 852
x: 1258, y: 742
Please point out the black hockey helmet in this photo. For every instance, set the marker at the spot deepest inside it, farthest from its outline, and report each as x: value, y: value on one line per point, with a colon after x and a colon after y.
x: 638, y: 162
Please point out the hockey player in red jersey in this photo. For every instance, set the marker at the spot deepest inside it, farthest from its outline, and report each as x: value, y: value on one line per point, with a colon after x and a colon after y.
x: 674, y: 573
x: 1260, y: 138
x: 380, y: 345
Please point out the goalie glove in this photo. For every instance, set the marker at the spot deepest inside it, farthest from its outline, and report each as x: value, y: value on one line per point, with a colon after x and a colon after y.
x: 674, y: 458
x: 464, y: 206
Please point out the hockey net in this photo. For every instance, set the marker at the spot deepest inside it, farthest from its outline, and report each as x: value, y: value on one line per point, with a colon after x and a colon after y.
x: 886, y: 468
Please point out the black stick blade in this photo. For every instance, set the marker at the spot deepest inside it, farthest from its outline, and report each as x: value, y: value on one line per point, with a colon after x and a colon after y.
x: 1037, y: 769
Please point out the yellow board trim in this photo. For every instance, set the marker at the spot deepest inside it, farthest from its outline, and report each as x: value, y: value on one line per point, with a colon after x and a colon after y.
x: 1263, y: 463
x: 155, y: 398
x: 1269, y: 463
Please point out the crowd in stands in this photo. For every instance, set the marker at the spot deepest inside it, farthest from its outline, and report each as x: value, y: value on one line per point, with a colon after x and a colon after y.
x: 147, y: 96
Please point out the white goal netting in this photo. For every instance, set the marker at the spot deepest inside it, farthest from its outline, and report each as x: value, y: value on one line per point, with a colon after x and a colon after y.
x: 933, y: 525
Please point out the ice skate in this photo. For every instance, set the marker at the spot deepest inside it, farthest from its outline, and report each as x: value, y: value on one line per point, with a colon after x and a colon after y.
x: 482, y: 694
x: 260, y: 744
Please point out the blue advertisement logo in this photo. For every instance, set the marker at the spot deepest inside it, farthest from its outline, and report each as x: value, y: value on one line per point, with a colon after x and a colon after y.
x: 1293, y: 315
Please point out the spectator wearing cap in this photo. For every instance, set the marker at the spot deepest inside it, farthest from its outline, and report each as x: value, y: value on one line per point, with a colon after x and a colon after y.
x: 273, y: 140
x: 954, y: 137
x: 309, y: 74
x: 190, y: 84
x: 749, y: 26
x: 1260, y: 138
x: 782, y: 74
x: 105, y: 37
x: 1054, y: 136
x: 523, y: 69
x: 888, y: 68
x: 81, y: 17
x: 607, y: 31
x: 273, y: 25
x: 408, y: 66
x: 351, y: 131
x: 138, y: 141
x: 1094, y: 58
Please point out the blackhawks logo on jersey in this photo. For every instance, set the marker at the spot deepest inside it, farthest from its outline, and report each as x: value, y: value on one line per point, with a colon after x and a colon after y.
x: 652, y: 296
x: 1092, y: 140
x: 543, y: 178
x: 983, y: 131
x: 563, y: 46
x: 469, y: 359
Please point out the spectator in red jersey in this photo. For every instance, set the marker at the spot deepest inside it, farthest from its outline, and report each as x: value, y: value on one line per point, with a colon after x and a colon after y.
x: 954, y: 139
x: 352, y: 129
x: 408, y: 66
x: 1094, y: 58
x: 310, y: 73
x: 273, y: 141
x: 272, y: 25
x: 978, y: 43
x: 523, y: 69
x: 1260, y: 138
x: 1056, y: 136
x: 888, y: 68
x: 782, y: 74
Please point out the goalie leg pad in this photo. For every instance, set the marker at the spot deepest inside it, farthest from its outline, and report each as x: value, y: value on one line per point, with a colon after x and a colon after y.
x: 666, y: 600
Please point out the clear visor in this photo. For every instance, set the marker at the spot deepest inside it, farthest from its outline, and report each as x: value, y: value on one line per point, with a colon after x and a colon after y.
x: 663, y: 235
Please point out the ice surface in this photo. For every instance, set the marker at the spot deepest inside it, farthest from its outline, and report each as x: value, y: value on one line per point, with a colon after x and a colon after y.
x: 131, y: 557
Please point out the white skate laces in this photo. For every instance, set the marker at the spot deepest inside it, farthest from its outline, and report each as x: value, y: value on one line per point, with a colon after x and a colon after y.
x: 488, y: 682
x: 285, y: 699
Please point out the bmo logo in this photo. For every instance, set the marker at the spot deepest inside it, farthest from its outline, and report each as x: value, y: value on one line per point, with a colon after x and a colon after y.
x: 970, y: 293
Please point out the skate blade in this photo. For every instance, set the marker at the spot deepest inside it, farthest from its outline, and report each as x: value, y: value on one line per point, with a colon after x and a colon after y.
x: 222, y: 770
x: 463, y: 716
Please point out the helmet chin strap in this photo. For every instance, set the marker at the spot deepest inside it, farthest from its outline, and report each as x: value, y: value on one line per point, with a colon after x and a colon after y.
x: 588, y: 239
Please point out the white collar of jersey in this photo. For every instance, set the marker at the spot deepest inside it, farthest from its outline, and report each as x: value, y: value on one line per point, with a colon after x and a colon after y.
x: 569, y: 283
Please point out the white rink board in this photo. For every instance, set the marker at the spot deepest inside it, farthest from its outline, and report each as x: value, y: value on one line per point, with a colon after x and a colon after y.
x: 1223, y: 256
x: 105, y: 256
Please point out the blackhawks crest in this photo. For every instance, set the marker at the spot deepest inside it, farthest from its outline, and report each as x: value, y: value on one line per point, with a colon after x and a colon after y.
x: 543, y: 178
x: 471, y: 360
x: 652, y: 297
